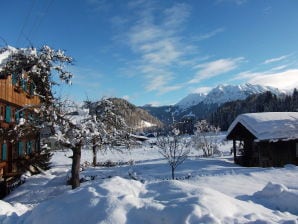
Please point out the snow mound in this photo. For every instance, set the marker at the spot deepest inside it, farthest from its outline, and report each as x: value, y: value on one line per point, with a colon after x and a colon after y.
x: 11, y: 213
x: 6, y: 208
x: 279, y: 197
x: 119, y: 200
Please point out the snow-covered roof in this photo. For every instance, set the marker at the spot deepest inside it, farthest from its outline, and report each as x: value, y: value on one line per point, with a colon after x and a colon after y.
x: 4, y: 55
x: 6, y: 52
x: 269, y: 125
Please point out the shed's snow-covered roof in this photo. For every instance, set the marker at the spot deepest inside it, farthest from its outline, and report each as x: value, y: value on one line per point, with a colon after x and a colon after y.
x: 269, y: 125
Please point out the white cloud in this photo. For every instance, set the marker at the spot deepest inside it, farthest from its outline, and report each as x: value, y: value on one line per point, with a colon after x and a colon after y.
x: 283, y: 80
x: 161, y: 52
x: 281, y: 67
x: 154, y: 103
x: 160, y: 83
x: 158, y: 43
x: 99, y: 5
x: 126, y: 97
x: 215, y: 68
x: 237, y: 2
x: 210, y: 34
x: 272, y: 60
x: 176, y: 15
x: 205, y: 89
x: 144, y: 33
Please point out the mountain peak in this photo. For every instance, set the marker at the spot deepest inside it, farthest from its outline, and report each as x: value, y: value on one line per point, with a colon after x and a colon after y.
x: 227, y: 93
x: 191, y: 100
x: 224, y: 93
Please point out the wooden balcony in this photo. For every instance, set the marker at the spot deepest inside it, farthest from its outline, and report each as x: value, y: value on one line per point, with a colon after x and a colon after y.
x: 14, y: 94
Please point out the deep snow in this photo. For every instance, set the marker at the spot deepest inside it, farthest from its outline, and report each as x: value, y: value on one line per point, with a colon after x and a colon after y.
x: 216, y: 191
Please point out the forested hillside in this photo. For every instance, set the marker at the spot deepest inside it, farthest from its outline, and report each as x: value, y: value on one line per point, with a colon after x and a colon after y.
x: 266, y: 102
x: 136, y: 118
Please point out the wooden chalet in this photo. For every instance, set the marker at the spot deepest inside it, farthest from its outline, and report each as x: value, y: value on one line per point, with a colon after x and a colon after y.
x: 265, y: 139
x: 15, y: 93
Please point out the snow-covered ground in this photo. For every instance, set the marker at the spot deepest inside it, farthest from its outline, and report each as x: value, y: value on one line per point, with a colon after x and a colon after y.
x: 208, y: 190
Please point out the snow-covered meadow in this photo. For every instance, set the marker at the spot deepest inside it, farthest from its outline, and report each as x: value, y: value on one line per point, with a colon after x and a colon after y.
x: 207, y: 190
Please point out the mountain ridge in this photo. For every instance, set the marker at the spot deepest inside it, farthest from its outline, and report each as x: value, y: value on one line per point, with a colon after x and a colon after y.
x: 225, y: 93
x: 199, y: 106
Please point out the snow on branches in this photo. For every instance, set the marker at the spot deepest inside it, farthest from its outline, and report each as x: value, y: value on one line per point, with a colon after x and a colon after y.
x: 174, y: 149
x: 42, y: 66
x: 205, y: 138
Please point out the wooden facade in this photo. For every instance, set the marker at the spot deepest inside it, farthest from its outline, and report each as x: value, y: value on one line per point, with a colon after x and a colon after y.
x: 15, y: 93
x: 248, y: 150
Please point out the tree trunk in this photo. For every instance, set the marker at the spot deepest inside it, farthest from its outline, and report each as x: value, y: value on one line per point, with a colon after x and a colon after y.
x: 75, y: 168
x: 94, y: 154
x: 234, y: 150
x: 173, y: 173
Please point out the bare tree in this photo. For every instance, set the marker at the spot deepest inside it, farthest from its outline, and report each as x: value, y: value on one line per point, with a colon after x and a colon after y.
x: 174, y: 149
x: 205, y: 138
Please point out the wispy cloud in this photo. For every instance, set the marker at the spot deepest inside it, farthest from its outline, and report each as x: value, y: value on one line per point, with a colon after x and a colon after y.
x: 204, y: 89
x: 237, y: 2
x: 272, y: 60
x: 93, y: 81
x: 287, y: 79
x: 283, y: 80
x: 160, y: 83
x: 209, y: 34
x: 215, y: 68
x: 176, y: 15
x: 278, y: 68
x: 158, y: 43
x: 99, y: 5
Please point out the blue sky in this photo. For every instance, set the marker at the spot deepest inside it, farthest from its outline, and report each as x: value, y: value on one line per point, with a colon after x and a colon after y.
x: 159, y: 51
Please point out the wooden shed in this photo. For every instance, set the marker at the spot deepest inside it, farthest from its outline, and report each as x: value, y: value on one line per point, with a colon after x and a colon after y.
x: 265, y: 139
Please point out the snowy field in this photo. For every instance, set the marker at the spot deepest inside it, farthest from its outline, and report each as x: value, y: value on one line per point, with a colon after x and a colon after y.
x: 208, y: 190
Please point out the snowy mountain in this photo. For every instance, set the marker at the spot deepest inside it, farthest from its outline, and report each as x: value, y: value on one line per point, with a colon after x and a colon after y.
x: 191, y: 100
x: 224, y: 93
x: 202, y: 105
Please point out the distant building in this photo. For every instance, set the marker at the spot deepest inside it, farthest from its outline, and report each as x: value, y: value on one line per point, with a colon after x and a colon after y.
x: 15, y: 93
x: 265, y: 139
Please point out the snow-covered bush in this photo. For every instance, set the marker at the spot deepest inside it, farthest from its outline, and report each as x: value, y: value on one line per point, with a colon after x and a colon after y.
x: 206, y: 138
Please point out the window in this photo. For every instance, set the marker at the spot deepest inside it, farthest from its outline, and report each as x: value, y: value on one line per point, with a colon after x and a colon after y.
x: 37, y: 146
x: 7, y: 114
x: 4, y: 152
x: 17, y: 116
x: 20, y: 148
x: 28, y: 147
x: 14, y: 79
x: 33, y: 146
x: 1, y: 113
x: 24, y: 84
x: 30, y: 117
x: 13, y: 111
x: 21, y: 114
x: 31, y: 89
